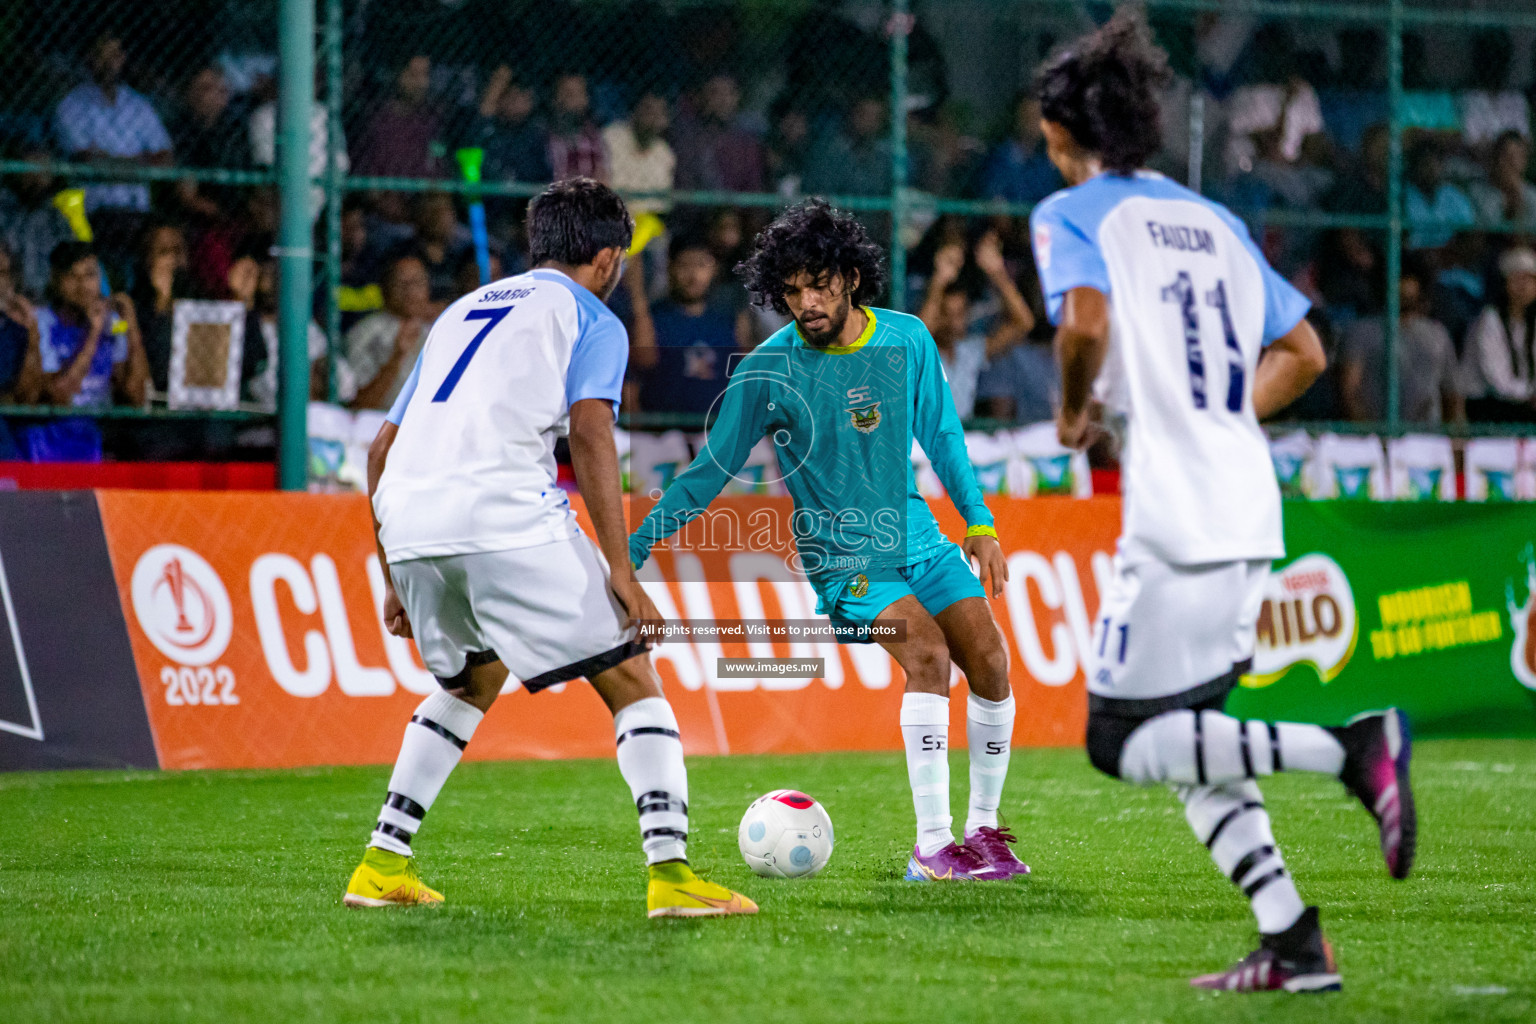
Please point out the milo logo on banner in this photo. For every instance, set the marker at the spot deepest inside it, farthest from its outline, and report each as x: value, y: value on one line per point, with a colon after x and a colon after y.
x: 1522, y: 655
x: 1308, y: 618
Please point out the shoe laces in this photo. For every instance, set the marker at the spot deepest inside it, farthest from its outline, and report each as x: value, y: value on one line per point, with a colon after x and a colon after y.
x: 969, y: 856
x: 992, y: 838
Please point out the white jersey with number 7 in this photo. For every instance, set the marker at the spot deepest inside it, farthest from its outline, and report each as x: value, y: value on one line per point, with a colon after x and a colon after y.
x: 1192, y: 304
x: 472, y: 467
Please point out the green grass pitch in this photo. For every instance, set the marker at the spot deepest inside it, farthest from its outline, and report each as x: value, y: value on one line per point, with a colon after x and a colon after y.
x: 217, y: 897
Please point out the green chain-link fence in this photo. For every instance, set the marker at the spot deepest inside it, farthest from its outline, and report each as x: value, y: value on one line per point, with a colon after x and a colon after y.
x: 914, y: 114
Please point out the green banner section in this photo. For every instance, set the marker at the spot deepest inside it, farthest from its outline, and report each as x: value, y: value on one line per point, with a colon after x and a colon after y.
x: 1424, y: 606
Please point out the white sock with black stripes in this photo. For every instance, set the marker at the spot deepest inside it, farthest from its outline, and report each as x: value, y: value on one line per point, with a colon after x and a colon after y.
x: 434, y: 741
x: 925, y: 731
x: 988, y: 735
x: 1232, y: 823
x: 1191, y: 748
x: 650, y: 752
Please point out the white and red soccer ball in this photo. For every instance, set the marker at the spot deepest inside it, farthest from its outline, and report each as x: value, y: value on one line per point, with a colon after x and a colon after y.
x: 786, y: 834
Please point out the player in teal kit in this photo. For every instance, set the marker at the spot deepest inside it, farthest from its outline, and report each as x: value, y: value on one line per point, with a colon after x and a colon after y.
x: 842, y: 392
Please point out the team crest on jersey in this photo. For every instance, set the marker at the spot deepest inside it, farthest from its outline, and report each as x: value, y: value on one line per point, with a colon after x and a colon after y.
x: 866, y: 418
x: 859, y: 586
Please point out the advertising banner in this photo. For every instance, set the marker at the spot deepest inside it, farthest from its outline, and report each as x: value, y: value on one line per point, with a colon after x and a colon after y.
x: 69, y: 693
x: 1428, y: 607
x: 255, y: 624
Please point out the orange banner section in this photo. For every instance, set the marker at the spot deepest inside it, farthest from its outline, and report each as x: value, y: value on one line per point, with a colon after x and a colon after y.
x: 256, y: 631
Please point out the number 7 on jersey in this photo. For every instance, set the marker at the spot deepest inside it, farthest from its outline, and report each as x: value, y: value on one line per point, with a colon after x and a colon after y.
x: 492, y: 317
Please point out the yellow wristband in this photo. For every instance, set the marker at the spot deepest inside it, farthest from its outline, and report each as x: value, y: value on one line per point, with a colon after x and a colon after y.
x: 981, y: 531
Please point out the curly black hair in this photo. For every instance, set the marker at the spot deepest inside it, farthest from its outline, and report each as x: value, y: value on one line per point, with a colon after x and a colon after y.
x: 1103, y: 90
x: 814, y: 238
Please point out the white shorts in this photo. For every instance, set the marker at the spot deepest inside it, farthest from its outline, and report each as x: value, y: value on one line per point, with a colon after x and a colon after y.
x: 1168, y: 629
x: 546, y: 612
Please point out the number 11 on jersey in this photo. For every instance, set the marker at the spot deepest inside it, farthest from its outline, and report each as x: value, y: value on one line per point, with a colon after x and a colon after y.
x: 1182, y: 291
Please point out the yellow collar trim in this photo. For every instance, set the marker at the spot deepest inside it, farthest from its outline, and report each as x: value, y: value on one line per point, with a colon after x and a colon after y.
x: 852, y: 346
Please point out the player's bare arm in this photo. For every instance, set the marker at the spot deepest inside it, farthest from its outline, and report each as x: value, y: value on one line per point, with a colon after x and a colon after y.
x: 595, y: 460
x: 378, y: 452
x: 1290, y: 365
x: 1082, y: 340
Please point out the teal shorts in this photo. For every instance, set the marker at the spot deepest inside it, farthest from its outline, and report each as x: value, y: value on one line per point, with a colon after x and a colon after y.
x: 936, y: 582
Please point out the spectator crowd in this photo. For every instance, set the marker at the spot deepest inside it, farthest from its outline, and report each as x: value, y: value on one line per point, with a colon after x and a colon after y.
x: 1295, y: 121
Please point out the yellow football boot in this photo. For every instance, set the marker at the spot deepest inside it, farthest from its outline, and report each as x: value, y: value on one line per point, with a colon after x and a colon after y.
x: 386, y: 879
x: 675, y: 891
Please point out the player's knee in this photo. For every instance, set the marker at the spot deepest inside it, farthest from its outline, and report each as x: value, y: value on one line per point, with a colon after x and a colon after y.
x: 987, y: 671
x: 927, y: 667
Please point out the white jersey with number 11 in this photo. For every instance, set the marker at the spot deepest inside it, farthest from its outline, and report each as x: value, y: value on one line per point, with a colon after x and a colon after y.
x: 1192, y: 304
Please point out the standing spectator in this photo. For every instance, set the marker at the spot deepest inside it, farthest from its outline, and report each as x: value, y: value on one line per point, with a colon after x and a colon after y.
x: 714, y: 150
x: 1491, y: 109
x: 103, y: 119
x: 1499, y: 373
x: 1507, y: 195
x: 575, y: 144
x: 686, y: 361
x: 857, y: 160
x: 964, y: 351
x: 160, y: 281
x: 208, y: 133
x: 403, y: 137
x: 31, y: 227
x: 639, y: 159
x: 382, y: 347
x: 789, y: 143
x: 1279, y: 100
x: 263, y: 140
x: 1428, y: 377
x: 1433, y: 207
x: 440, y: 240
x: 515, y: 141
x: 1017, y: 169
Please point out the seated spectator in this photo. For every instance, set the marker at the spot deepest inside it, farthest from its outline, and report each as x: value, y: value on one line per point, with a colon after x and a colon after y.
x: 789, y: 140
x: 1491, y: 109
x: 382, y: 347
x: 963, y: 350
x: 358, y: 293
x: 1363, y: 188
x: 255, y: 280
x: 90, y: 345
x: 403, y: 138
x: 263, y: 140
x: 1017, y: 169
x: 1428, y: 377
x: 1348, y: 272
x: 857, y: 160
x: 1499, y: 373
x: 207, y: 132
x: 714, y: 149
x: 575, y: 144
x: 1428, y: 107
x: 1433, y: 207
x: 252, y: 227
x: 1357, y: 97
x: 684, y: 368
x: 466, y: 277
x: 160, y: 279
x: 639, y: 159
x: 1278, y: 100
x: 31, y: 227
x: 515, y: 141
x: 1022, y: 385
x: 21, y: 369
x: 103, y: 119
x: 944, y: 158
x: 1507, y: 196
x: 440, y: 240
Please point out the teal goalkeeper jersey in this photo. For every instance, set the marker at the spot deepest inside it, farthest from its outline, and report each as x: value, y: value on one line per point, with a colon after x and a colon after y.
x: 842, y: 421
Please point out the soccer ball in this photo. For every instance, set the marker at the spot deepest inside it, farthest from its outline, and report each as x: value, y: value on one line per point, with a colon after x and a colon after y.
x: 785, y: 834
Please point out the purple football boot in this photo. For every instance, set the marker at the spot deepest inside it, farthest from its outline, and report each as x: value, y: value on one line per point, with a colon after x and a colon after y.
x: 1377, y: 748
x: 954, y: 863
x: 992, y: 844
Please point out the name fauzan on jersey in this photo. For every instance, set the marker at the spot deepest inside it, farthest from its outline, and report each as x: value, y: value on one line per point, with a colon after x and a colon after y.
x: 1181, y: 238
